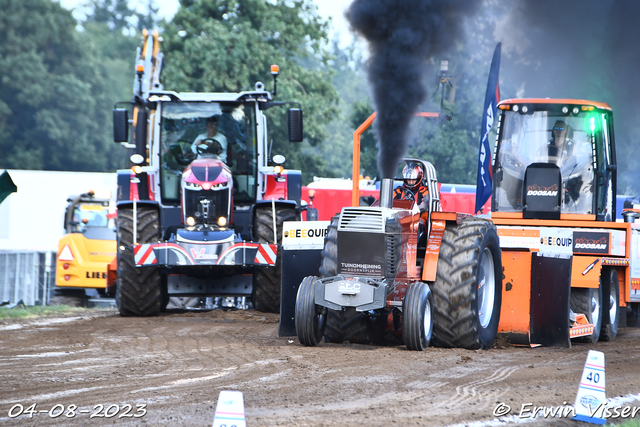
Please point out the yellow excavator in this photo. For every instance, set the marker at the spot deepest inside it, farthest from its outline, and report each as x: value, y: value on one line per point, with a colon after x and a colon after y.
x: 88, y: 245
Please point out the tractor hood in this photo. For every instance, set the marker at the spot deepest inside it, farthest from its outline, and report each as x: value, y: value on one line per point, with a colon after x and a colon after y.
x: 207, y: 172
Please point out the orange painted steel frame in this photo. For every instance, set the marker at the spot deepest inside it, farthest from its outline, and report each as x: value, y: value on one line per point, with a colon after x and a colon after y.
x: 601, y: 105
x: 580, y: 262
x: 355, y: 171
x: 515, y: 312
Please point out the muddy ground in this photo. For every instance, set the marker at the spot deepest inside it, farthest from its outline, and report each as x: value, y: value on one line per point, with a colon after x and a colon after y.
x: 177, y: 364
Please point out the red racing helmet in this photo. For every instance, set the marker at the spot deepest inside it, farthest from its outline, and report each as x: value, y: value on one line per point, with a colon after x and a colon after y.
x: 412, y: 172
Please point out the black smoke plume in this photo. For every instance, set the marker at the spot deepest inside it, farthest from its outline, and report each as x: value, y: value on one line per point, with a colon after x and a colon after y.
x: 403, y: 35
x: 585, y: 49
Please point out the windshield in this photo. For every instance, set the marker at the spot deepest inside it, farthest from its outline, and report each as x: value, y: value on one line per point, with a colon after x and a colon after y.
x: 225, y: 131
x: 565, y: 140
x: 93, y: 220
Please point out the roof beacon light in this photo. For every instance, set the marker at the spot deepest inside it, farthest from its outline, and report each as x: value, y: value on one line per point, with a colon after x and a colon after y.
x: 275, y: 70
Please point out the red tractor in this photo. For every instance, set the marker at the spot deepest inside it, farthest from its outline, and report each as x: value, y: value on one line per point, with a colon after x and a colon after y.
x: 200, y: 213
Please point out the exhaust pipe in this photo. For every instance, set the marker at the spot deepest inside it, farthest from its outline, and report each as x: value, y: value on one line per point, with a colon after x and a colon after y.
x: 386, y: 193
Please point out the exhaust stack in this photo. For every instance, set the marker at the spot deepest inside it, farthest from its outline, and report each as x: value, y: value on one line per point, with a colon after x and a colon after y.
x: 386, y: 193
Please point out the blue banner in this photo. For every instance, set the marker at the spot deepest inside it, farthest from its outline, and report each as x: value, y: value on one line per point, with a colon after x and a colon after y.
x: 492, y: 97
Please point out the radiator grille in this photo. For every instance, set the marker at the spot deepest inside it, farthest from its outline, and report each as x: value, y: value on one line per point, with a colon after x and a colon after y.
x: 361, y: 219
x: 393, y: 252
x: 219, y: 202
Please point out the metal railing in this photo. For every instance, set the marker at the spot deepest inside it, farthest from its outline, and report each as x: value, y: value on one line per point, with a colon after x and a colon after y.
x: 26, y: 276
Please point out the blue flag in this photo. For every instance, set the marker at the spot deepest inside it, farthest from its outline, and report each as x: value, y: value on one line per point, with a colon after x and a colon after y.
x: 491, y: 99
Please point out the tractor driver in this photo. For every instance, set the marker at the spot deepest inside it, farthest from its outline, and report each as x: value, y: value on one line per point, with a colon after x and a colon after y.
x: 560, y: 147
x: 211, y: 144
x: 413, y: 187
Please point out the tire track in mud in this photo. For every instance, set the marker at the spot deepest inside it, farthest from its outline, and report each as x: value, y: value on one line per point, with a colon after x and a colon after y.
x: 177, y: 364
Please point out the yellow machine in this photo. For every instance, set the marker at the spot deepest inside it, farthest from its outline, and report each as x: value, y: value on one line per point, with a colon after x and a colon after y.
x: 89, y: 244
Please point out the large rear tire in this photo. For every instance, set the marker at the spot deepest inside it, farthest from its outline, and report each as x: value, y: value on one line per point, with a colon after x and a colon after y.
x: 348, y: 324
x: 311, y: 319
x: 139, y: 291
x: 266, y: 280
x: 610, y: 306
x: 417, y: 315
x: 467, y: 292
x: 588, y: 301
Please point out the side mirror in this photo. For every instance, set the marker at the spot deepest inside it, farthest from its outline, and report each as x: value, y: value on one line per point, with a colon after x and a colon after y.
x: 120, y: 125
x: 295, y: 125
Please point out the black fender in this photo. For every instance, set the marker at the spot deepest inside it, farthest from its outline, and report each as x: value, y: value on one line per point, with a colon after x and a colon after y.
x: 124, y: 185
x: 128, y: 204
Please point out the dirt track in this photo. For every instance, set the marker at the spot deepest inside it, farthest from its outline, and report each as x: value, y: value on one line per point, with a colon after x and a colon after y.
x: 178, y: 363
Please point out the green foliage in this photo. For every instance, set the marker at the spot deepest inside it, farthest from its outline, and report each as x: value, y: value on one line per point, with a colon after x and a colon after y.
x: 451, y: 142
x: 23, y: 312
x: 350, y: 83
x: 222, y: 45
x: 118, y: 16
x: 54, y: 108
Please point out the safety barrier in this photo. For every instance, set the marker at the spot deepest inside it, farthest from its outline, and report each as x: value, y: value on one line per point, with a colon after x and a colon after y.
x: 26, y: 276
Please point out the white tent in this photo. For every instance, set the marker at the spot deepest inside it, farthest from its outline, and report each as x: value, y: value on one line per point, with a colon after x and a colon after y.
x: 32, y: 219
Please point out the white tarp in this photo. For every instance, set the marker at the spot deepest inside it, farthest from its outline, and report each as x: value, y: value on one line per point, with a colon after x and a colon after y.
x: 32, y: 219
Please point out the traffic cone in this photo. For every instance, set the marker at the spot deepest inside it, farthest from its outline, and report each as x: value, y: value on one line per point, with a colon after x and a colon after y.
x: 591, y: 400
x: 230, y: 410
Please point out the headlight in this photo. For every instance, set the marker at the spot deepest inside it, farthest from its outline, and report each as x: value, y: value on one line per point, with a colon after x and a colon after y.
x: 192, y: 185
x: 222, y: 221
x: 191, y: 221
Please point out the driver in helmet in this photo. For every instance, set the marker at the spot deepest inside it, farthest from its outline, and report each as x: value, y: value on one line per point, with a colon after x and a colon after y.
x: 413, y: 188
x: 211, y: 144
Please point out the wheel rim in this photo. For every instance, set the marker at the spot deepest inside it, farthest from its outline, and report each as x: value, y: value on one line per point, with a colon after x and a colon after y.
x: 595, y: 307
x: 320, y: 318
x: 426, y: 319
x: 613, y: 308
x: 486, y: 289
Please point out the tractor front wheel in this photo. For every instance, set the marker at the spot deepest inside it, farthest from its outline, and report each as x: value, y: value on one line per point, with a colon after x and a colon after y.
x: 588, y: 301
x: 310, y: 318
x: 611, y: 305
x: 139, y: 291
x: 417, y: 314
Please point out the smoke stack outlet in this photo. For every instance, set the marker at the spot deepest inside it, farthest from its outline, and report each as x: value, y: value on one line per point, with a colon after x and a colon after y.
x: 386, y: 193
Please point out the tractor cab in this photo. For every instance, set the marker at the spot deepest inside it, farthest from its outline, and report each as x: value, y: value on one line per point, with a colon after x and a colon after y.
x: 90, y: 215
x: 554, y: 158
x: 220, y: 138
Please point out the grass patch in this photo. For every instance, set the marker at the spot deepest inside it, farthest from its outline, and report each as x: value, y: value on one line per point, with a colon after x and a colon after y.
x: 37, y: 311
x: 630, y: 423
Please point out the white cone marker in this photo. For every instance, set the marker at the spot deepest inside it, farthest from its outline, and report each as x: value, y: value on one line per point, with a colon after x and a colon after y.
x: 230, y: 410
x: 591, y: 400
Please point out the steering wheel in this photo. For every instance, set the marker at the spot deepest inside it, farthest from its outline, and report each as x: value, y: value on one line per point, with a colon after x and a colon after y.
x: 410, y: 193
x: 209, y: 145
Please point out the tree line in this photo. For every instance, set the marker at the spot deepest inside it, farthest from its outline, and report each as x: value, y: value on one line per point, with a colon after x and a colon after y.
x: 60, y: 77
